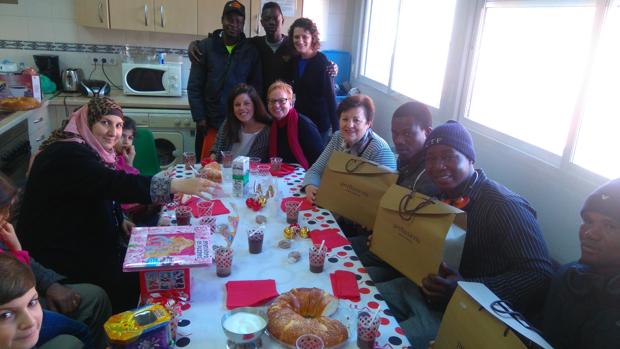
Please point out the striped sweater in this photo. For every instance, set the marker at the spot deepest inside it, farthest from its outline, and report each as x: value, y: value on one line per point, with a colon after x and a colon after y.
x: 504, y: 247
x: 377, y: 150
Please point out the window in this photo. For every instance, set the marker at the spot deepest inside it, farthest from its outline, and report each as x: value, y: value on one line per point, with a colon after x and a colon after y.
x: 543, y: 77
x: 406, y: 46
x: 596, y: 142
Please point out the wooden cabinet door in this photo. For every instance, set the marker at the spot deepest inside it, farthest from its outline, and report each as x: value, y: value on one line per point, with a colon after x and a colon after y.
x: 176, y: 16
x: 292, y: 9
x: 92, y: 13
x: 210, y: 15
x: 132, y: 15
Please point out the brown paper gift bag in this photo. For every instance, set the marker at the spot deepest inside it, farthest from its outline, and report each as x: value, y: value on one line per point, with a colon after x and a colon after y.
x: 415, y: 233
x: 476, y: 318
x: 352, y: 187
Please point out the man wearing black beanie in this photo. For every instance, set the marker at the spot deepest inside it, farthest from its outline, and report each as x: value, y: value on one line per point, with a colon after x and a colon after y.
x: 583, y: 304
x: 504, y: 247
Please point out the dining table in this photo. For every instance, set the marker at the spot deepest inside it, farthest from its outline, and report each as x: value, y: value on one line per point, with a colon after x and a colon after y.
x: 200, y: 324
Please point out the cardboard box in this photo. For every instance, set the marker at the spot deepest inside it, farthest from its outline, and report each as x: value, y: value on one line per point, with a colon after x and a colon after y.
x: 20, y: 85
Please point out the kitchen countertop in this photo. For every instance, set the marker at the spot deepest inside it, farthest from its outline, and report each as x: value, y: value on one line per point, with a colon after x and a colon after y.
x: 123, y: 100
x: 14, y: 119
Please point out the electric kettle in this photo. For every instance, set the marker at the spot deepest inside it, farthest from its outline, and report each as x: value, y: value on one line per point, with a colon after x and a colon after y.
x: 71, y: 79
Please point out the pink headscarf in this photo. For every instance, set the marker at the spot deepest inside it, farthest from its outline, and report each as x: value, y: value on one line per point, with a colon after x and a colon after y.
x: 78, y: 124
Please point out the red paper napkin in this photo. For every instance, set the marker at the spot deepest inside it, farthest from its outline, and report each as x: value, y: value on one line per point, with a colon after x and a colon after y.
x: 331, y: 236
x: 285, y: 169
x: 305, y: 204
x: 250, y: 293
x: 218, y: 208
x: 344, y: 285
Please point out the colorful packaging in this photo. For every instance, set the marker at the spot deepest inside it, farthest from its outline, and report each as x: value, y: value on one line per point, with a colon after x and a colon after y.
x: 20, y: 85
x: 145, y: 327
x: 241, y: 176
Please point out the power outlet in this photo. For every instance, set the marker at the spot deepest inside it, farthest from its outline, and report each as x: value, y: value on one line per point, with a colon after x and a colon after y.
x: 107, y: 60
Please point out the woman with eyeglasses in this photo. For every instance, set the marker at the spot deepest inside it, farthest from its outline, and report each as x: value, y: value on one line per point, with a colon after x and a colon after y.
x: 356, y: 137
x: 245, y: 132
x: 294, y: 137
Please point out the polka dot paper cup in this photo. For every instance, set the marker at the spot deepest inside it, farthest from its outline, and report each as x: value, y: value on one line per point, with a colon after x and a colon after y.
x: 317, y: 258
x: 223, y: 261
x: 309, y: 341
x: 183, y: 215
x: 367, y: 327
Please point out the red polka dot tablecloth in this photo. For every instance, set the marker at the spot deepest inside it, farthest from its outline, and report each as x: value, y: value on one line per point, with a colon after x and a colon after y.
x: 340, y: 258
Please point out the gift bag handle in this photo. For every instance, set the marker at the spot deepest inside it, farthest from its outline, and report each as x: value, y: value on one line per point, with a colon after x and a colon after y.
x: 352, y: 165
x: 407, y: 214
x: 403, y: 212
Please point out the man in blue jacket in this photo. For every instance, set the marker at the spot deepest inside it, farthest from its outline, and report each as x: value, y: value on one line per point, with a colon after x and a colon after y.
x: 227, y: 59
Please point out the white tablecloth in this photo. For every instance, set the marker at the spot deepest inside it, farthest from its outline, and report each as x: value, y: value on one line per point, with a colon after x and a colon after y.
x: 200, y: 325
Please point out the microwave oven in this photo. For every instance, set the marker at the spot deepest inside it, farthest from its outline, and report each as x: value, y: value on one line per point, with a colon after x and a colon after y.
x: 144, y: 79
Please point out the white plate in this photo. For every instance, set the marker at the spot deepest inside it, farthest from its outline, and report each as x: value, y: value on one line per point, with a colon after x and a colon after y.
x: 346, y: 316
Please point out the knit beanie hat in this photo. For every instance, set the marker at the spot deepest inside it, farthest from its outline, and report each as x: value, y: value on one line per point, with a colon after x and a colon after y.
x: 605, y: 200
x: 455, y: 135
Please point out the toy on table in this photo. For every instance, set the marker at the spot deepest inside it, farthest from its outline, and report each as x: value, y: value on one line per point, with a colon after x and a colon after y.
x: 145, y: 327
x: 233, y: 220
x: 260, y: 200
x: 163, y: 281
x: 295, y: 229
x: 163, y: 255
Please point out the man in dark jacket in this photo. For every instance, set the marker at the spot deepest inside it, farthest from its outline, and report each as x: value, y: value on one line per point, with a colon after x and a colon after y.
x: 227, y: 59
x: 583, y: 304
x: 275, y: 49
x: 504, y: 247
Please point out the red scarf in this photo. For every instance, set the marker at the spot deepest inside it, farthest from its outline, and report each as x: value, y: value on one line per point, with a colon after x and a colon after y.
x: 291, y: 121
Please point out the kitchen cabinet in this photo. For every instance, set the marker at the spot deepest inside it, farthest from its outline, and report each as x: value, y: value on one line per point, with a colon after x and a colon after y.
x: 39, y: 126
x: 165, y: 16
x: 210, y: 15
x: 92, y: 13
x: 58, y: 114
x: 295, y: 6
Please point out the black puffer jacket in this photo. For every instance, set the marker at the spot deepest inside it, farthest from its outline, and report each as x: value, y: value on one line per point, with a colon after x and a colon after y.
x: 211, y: 81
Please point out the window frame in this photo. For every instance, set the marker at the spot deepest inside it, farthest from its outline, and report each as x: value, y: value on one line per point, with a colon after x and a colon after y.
x: 366, y: 13
x: 562, y: 162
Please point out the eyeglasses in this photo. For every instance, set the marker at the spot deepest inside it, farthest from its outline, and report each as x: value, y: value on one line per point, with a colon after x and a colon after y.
x: 278, y: 101
x: 504, y: 308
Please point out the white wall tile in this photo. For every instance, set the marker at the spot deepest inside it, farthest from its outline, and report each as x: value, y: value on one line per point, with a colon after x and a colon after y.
x: 87, y: 35
x: 170, y: 40
x: 13, y: 28
x: 65, y: 30
x: 14, y: 10
x: 136, y: 38
x: 63, y: 8
x: 37, y: 8
x: 40, y: 29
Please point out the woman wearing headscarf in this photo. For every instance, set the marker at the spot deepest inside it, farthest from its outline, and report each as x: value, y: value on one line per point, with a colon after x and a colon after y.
x: 71, y: 218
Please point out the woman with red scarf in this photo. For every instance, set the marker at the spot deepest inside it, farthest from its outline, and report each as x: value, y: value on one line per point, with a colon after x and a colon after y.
x: 294, y: 137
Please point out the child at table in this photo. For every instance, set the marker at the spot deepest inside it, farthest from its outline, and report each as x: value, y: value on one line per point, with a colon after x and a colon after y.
x: 24, y: 323
x: 18, y: 294
x: 141, y: 215
x: 125, y: 150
